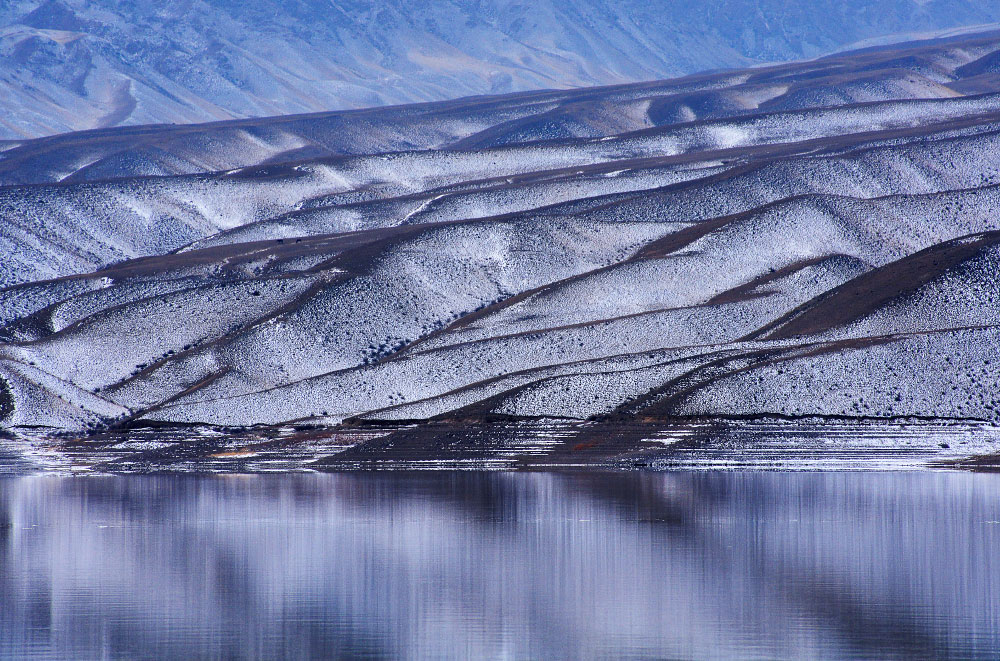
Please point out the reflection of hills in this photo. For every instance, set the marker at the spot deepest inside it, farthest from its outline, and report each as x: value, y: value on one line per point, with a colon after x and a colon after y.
x: 528, y: 565
x: 815, y: 238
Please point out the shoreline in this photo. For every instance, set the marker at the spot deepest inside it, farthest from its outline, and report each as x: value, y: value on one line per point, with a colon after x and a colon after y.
x: 536, y: 445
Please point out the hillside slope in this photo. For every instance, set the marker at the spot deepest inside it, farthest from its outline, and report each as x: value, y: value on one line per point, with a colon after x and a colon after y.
x: 812, y: 239
x: 80, y: 64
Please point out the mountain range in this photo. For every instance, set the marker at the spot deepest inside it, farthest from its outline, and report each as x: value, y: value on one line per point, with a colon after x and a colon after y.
x: 69, y: 65
x: 803, y: 240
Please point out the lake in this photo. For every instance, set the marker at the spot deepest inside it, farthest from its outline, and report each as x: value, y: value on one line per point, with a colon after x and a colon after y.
x: 689, y: 565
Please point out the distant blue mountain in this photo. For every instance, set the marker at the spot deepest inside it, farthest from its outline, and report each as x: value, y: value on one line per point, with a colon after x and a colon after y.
x: 77, y: 64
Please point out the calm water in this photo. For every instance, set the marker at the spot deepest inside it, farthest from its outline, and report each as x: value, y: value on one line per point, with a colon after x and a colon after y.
x: 502, y: 565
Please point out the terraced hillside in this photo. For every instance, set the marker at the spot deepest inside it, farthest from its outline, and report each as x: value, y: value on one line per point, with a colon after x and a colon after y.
x: 811, y: 239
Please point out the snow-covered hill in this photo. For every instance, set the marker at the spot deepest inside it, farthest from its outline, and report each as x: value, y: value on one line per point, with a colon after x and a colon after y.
x: 819, y: 238
x: 79, y: 64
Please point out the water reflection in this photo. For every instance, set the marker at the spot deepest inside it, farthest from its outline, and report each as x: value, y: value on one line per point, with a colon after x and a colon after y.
x: 514, y: 565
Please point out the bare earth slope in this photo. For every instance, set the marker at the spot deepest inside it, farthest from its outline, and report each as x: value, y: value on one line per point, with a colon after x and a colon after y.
x: 817, y: 239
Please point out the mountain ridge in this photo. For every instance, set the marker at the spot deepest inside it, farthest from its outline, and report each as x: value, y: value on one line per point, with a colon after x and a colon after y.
x: 72, y: 65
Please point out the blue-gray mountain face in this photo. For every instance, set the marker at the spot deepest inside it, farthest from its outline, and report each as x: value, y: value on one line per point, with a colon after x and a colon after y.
x: 819, y: 238
x: 77, y: 64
